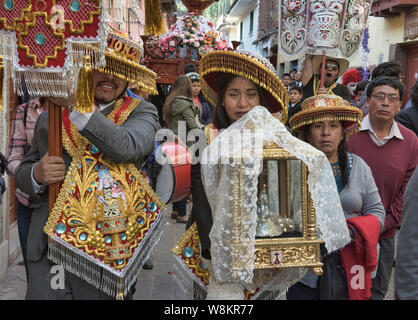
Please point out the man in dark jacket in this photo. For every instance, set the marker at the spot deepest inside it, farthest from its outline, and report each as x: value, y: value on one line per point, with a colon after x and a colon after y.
x: 311, y: 77
x: 409, y: 117
x: 2, y: 170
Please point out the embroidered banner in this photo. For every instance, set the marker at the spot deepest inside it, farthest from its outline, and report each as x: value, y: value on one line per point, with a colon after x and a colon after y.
x: 106, y: 217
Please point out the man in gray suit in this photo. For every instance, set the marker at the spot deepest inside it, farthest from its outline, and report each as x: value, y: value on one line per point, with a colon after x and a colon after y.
x: 130, y: 142
x: 406, y: 280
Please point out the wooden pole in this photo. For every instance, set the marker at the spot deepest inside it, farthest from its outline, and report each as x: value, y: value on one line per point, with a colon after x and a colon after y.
x: 324, y: 59
x: 54, y: 145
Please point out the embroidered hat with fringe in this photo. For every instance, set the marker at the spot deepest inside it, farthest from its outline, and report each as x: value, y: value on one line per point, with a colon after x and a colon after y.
x: 123, y: 60
x: 326, y: 107
x: 248, y: 65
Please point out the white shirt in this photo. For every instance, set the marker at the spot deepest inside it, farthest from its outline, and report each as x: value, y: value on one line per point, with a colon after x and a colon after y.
x: 80, y: 120
x: 393, y: 133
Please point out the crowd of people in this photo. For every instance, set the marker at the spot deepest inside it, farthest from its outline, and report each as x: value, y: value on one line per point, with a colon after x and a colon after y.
x: 379, y: 144
x: 370, y: 143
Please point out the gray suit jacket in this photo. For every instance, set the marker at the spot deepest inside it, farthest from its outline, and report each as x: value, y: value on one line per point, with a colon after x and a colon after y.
x: 131, y: 142
x: 406, y: 280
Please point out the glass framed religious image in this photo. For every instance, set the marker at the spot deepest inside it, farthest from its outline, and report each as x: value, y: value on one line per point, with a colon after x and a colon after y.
x: 286, y: 223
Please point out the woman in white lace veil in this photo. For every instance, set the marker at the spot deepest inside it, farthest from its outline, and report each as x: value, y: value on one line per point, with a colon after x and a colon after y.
x: 322, y: 123
x: 231, y: 85
x: 237, y: 83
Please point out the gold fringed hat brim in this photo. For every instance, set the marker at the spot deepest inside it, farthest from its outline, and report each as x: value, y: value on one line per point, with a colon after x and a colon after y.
x: 208, y: 92
x: 117, y: 64
x: 212, y: 64
x: 134, y: 73
x: 326, y: 107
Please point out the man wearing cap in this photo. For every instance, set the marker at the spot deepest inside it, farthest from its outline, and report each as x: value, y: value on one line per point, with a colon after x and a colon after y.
x: 311, y: 77
x: 93, y: 209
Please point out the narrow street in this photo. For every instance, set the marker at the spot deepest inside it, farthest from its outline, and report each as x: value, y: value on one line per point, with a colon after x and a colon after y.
x: 155, y: 284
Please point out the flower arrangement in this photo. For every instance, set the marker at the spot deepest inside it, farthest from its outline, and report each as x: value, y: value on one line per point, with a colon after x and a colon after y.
x: 190, y: 31
x: 365, y: 65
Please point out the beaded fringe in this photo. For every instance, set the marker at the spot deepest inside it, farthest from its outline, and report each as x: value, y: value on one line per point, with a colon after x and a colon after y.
x: 78, y: 50
x: 192, y: 287
x: 100, y: 275
x: 48, y: 82
x: 131, y: 72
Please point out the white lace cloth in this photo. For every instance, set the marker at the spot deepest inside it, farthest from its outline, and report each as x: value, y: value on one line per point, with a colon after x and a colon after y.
x: 233, y: 252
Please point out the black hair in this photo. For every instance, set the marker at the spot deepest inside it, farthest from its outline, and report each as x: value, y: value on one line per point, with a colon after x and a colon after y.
x: 189, y: 67
x: 181, y: 87
x: 388, y: 69
x: 220, y: 117
x: 296, y: 88
x: 286, y: 74
x: 386, y: 81
x: 361, y: 86
x: 3, y: 163
x: 343, y: 159
x: 414, y: 94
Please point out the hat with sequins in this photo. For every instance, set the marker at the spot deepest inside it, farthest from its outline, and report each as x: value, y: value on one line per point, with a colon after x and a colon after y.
x: 248, y: 65
x: 324, y: 107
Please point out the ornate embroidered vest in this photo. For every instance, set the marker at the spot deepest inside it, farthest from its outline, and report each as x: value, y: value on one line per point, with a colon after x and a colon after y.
x: 106, y: 219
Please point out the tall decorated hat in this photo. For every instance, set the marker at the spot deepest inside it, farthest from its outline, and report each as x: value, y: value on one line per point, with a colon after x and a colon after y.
x: 248, y: 65
x: 315, y: 26
x: 325, y: 107
x: 123, y: 59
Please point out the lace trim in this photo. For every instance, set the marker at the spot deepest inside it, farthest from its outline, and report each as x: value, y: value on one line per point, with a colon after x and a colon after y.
x: 233, y: 253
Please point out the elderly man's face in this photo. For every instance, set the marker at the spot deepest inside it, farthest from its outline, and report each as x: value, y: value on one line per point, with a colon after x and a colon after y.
x: 107, y: 88
x: 384, y: 103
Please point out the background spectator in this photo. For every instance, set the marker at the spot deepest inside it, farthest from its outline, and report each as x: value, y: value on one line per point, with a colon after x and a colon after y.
x: 387, y: 69
x: 295, y: 102
x: 204, y: 108
x: 179, y: 109
x: 409, y: 117
x: 286, y: 79
x: 391, y: 151
x: 350, y: 79
x: 22, y: 128
x: 406, y: 271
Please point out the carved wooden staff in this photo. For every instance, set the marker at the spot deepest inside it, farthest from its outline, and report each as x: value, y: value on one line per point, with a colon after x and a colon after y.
x: 324, y: 58
x: 54, y: 145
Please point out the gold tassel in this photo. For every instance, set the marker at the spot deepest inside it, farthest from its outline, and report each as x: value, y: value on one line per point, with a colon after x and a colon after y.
x: 153, y: 18
x: 1, y: 82
x: 85, y: 92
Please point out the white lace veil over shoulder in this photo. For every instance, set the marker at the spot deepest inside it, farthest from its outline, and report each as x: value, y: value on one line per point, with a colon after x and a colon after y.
x: 243, y: 142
